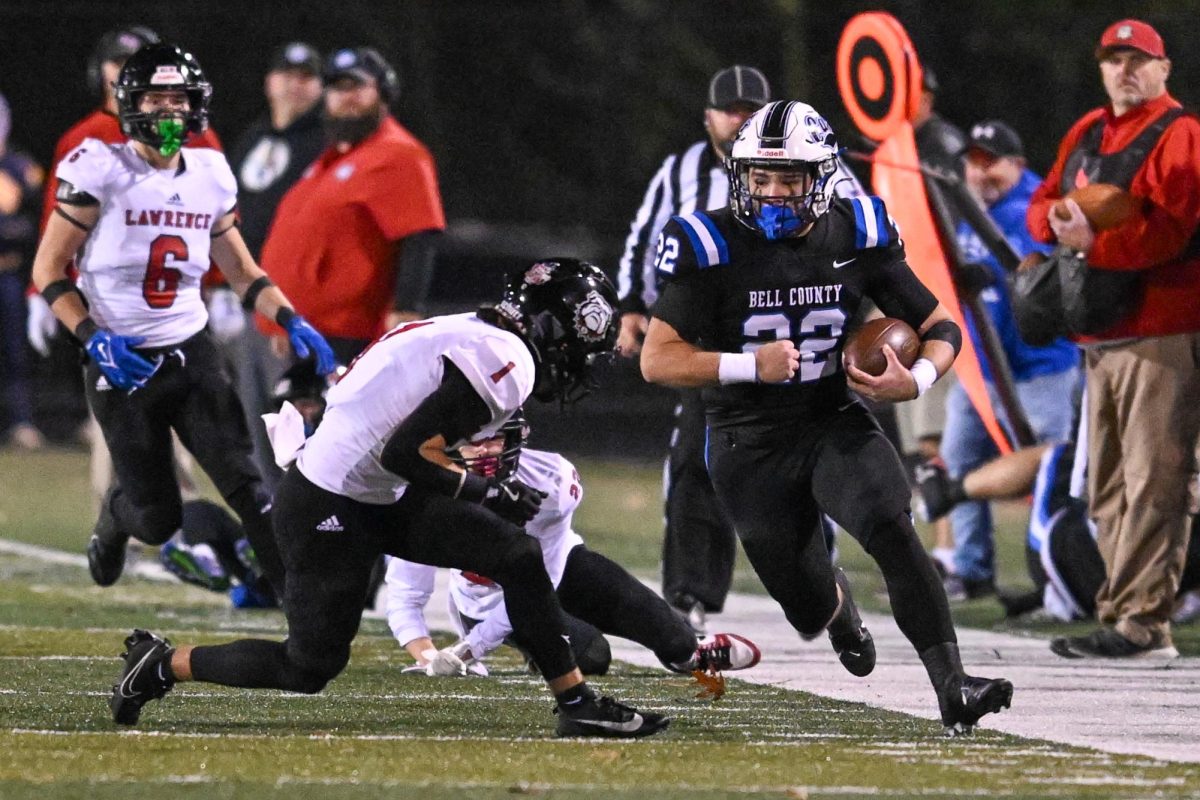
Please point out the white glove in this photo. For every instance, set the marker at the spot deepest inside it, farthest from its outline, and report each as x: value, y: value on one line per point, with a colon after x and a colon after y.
x: 448, y: 662
x: 225, y: 317
x: 455, y: 661
x: 40, y: 324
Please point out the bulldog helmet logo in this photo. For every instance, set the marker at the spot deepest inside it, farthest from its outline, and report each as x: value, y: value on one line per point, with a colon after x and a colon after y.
x: 593, y: 317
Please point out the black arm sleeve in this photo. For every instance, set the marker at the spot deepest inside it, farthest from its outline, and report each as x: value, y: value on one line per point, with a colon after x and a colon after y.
x: 414, y: 270
x: 69, y: 195
x: 454, y: 410
x: 898, y: 292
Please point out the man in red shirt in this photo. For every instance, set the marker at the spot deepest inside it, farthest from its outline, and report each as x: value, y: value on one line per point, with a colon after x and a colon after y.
x: 354, y: 238
x: 1143, y: 373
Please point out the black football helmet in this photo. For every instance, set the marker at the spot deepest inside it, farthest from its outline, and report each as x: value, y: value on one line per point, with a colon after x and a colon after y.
x: 566, y: 311
x: 503, y: 464
x: 160, y: 67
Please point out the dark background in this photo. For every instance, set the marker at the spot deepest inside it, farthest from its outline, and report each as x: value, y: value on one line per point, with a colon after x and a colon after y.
x: 548, y: 119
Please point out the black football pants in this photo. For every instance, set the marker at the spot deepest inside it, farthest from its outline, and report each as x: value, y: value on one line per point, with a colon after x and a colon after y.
x: 775, y: 479
x: 329, y: 544
x: 191, y: 393
x: 699, y: 545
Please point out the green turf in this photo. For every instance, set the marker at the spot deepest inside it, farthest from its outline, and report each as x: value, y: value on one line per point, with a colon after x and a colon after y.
x: 375, y: 733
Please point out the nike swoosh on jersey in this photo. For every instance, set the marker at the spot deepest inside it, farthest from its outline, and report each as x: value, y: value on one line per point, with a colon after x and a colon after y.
x: 839, y: 264
x: 632, y: 725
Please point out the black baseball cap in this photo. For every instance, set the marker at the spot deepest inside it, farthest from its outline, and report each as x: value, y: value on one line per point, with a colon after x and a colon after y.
x: 362, y: 64
x: 996, y: 139
x: 296, y: 55
x: 738, y: 84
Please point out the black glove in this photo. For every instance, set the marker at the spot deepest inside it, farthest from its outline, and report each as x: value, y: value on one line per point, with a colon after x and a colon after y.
x: 513, y: 500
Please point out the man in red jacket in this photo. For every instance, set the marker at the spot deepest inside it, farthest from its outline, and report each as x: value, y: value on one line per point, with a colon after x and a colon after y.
x: 1143, y: 373
x: 354, y: 239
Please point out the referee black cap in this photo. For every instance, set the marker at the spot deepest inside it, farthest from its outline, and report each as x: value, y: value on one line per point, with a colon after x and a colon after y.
x: 738, y: 85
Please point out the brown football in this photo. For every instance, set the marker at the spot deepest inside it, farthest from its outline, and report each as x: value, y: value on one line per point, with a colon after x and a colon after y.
x: 865, y: 348
x: 1105, y: 206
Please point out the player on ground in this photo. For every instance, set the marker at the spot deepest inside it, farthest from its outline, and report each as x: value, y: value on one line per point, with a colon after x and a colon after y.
x: 598, y: 595
x: 375, y: 478
x: 754, y: 309
x: 142, y: 220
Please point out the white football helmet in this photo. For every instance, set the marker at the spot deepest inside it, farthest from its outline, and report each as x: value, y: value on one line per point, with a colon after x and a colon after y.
x: 784, y: 135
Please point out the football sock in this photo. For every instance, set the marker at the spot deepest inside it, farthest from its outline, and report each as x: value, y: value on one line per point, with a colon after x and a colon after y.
x: 942, y: 663
x: 919, y: 603
x: 577, y: 694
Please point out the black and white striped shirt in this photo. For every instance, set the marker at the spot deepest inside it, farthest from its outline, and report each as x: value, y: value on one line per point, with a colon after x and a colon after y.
x: 689, y: 181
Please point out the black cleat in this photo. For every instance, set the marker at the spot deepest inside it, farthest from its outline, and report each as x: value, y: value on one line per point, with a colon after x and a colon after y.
x: 850, y: 638
x: 146, y: 675
x: 105, y: 561
x: 603, y: 716
x: 106, y: 549
x: 964, y: 701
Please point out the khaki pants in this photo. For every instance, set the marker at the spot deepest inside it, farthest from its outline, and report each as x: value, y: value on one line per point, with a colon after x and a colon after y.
x: 1143, y: 421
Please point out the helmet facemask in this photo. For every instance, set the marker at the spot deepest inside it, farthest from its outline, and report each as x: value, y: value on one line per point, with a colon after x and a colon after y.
x: 778, y: 217
x: 497, y: 456
x: 564, y: 367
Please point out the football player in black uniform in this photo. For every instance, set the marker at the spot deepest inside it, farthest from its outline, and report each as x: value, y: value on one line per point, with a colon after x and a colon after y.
x: 754, y: 309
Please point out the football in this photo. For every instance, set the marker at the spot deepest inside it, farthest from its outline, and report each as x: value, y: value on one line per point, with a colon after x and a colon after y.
x: 865, y: 348
x: 1105, y: 206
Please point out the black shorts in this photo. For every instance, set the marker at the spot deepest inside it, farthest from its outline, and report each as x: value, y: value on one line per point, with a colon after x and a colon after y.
x: 191, y: 393
x: 329, y: 544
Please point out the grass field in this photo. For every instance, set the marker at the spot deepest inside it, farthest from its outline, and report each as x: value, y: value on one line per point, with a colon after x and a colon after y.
x: 375, y: 733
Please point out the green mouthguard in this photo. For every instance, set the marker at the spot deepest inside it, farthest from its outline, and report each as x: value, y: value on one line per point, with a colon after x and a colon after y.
x: 171, y: 131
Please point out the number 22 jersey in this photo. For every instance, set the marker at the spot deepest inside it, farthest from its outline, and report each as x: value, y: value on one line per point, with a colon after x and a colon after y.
x: 141, y: 266
x: 728, y: 289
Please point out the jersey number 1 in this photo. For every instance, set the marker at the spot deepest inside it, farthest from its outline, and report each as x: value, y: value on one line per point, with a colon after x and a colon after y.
x: 161, y: 283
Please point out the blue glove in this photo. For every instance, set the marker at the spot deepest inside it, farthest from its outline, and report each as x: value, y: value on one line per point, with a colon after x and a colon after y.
x: 305, y: 340
x: 114, y: 356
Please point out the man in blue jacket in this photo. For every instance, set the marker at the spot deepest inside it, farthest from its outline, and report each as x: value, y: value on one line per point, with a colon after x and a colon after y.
x: 1047, y: 378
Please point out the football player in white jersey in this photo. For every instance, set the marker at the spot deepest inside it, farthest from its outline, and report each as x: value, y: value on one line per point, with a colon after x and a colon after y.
x: 375, y: 478
x: 141, y: 220
x: 598, y: 595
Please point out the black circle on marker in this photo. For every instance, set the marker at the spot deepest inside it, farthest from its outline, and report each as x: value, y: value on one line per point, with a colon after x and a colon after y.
x: 877, y: 109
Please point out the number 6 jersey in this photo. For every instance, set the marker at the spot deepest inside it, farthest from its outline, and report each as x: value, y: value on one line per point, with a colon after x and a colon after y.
x: 141, y: 266
x: 728, y: 290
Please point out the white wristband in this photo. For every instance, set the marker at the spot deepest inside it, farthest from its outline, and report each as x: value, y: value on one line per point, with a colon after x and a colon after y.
x: 737, y: 368
x: 924, y: 373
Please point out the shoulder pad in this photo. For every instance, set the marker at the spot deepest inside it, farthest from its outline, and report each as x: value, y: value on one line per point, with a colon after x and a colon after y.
x: 690, y: 242
x: 873, y: 226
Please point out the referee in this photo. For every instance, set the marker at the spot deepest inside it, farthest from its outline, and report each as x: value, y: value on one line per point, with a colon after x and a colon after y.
x: 699, y: 545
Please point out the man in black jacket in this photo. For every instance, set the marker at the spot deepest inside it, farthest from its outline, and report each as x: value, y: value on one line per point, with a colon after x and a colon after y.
x: 268, y: 158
